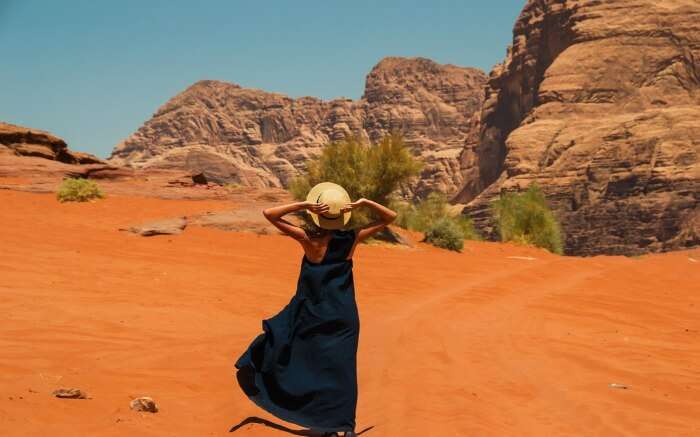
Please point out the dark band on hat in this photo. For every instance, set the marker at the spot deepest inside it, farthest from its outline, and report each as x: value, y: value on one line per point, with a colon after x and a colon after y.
x: 331, y: 218
x: 323, y: 215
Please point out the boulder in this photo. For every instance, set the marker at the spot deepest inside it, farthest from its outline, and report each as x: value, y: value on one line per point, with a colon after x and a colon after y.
x: 394, y: 236
x: 144, y: 404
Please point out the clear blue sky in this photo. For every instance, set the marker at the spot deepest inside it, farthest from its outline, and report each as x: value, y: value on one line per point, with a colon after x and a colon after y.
x: 92, y: 71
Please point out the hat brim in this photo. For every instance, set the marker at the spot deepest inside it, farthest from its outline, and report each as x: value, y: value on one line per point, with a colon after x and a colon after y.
x: 322, y: 221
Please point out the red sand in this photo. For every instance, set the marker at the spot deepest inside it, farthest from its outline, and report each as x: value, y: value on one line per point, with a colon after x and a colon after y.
x: 481, y: 343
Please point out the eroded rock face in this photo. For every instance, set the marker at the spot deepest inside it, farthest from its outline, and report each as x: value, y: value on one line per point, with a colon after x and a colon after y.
x: 34, y: 160
x: 257, y: 138
x: 599, y: 103
x: 24, y: 141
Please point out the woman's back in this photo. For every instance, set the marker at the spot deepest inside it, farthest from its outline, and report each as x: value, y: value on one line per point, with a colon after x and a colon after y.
x: 303, y: 367
x: 338, y: 246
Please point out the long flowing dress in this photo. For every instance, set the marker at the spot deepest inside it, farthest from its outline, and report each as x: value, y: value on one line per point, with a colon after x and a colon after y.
x: 303, y: 367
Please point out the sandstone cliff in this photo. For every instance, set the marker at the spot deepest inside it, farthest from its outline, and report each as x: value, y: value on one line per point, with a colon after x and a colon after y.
x: 599, y: 103
x: 258, y: 138
x: 24, y: 141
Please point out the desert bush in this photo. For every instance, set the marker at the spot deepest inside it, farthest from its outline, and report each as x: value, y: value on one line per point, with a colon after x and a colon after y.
x: 78, y: 190
x: 372, y: 171
x: 422, y: 215
x: 445, y: 233
x: 419, y: 216
x: 526, y: 218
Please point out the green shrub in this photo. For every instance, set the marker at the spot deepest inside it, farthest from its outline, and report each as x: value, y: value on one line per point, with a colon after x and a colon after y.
x: 364, y: 170
x: 526, y: 218
x: 422, y: 215
x: 445, y: 233
x: 78, y: 190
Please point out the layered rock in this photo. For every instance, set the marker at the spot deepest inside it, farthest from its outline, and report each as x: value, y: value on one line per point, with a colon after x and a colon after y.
x: 257, y: 138
x: 35, y: 160
x: 24, y: 141
x: 599, y: 103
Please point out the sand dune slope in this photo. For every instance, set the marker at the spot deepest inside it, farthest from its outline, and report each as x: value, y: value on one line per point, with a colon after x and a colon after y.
x: 499, y: 340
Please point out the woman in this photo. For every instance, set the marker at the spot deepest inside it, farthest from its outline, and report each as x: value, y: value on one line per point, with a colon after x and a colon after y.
x: 303, y: 367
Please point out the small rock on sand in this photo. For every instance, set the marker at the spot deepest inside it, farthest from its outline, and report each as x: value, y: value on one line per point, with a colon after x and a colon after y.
x: 160, y: 227
x: 70, y: 393
x: 144, y: 404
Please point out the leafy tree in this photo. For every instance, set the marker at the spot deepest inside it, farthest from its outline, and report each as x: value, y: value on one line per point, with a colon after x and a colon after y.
x: 372, y: 171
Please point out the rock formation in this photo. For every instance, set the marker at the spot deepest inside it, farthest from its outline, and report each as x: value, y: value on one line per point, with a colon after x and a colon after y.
x: 41, y: 161
x: 24, y: 141
x: 599, y: 103
x: 257, y: 138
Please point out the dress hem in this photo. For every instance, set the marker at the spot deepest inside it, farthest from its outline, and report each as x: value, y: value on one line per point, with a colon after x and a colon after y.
x: 283, y: 415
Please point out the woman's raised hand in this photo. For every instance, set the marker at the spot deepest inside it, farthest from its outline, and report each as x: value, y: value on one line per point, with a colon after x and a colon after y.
x: 316, y: 208
x: 352, y: 205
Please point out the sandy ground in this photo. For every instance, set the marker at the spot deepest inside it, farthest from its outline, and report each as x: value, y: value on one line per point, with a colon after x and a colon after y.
x: 499, y: 340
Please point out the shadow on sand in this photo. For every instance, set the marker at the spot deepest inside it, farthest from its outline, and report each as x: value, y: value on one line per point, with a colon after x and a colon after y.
x: 277, y: 426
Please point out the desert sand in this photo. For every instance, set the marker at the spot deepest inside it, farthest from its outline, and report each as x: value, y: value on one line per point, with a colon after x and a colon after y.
x: 499, y: 340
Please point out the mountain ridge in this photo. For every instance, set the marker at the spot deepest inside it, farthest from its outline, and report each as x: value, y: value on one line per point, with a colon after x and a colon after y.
x: 260, y: 138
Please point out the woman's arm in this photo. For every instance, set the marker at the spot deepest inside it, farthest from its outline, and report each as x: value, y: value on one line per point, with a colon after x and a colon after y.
x: 386, y: 216
x: 274, y: 215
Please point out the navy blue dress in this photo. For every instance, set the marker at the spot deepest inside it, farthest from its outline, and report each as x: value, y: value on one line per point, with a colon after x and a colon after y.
x: 303, y: 367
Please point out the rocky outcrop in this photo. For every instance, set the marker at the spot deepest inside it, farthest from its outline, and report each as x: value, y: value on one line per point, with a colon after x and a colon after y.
x: 34, y: 160
x: 24, y: 141
x: 257, y: 138
x: 599, y: 103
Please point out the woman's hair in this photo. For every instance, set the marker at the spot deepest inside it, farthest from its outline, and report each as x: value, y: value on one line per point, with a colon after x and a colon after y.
x: 314, y: 231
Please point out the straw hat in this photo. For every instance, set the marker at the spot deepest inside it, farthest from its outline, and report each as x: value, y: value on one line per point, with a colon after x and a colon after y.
x: 335, y: 197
